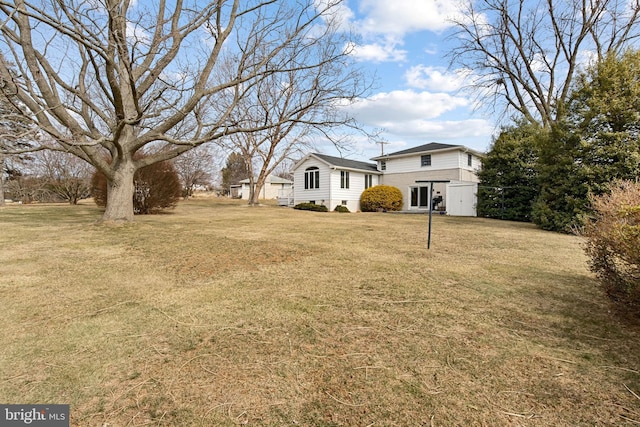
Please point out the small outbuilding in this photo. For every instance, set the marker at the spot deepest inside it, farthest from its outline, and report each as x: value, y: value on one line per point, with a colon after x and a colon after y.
x: 273, y: 188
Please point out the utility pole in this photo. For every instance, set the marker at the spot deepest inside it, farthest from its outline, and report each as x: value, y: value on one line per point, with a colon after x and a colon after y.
x: 382, y: 144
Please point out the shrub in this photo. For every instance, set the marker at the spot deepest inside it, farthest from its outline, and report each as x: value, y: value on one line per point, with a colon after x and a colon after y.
x: 381, y: 197
x: 157, y: 187
x: 342, y: 208
x: 613, y: 243
x: 306, y: 206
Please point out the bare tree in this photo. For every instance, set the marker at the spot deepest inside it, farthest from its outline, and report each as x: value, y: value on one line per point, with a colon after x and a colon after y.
x: 285, y: 169
x: 194, y: 168
x: 524, y: 54
x: 16, y: 135
x: 63, y: 174
x: 292, y: 107
x: 109, y: 78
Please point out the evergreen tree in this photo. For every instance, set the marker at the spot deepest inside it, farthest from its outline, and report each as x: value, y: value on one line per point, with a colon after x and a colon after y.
x: 606, y: 112
x: 508, y: 183
x: 234, y: 171
x: 598, y: 142
x: 564, y: 189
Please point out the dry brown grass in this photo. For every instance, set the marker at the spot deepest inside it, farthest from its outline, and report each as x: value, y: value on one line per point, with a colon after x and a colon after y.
x: 219, y: 314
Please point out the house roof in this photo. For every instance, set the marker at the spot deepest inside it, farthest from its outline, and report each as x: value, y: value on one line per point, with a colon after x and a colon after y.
x: 342, y: 163
x: 271, y: 179
x: 432, y: 146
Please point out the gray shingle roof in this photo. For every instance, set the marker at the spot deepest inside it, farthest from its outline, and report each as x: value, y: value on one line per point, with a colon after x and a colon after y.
x: 273, y: 179
x: 432, y: 146
x: 346, y: 163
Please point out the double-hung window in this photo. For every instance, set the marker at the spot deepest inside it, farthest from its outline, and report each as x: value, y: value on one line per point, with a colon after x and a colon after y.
x: 425, y: 160
x: 311, y: 178
x: 368, y: 181
x: 344, y: 179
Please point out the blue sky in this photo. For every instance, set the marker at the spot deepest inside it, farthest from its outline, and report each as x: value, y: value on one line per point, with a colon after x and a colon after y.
x: 417, y: 100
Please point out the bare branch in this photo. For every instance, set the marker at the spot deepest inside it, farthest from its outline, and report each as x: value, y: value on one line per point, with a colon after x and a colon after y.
x: 525, y: 54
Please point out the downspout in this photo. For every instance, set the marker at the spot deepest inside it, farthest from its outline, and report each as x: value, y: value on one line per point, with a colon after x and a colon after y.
x: 329, y: 201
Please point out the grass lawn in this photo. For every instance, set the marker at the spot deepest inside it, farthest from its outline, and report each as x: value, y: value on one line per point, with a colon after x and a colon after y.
x: 218, y: 314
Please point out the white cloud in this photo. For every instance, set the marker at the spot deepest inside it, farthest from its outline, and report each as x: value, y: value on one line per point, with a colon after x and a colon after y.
x: 136, y: 33
x: 383, y: 25
x: 400, y: 17
x: 436, y: 78
x: 384, y: 109
x: 412, y: 118
x: 377, y: 52
x: 337, y: 12
x: 436, y: 130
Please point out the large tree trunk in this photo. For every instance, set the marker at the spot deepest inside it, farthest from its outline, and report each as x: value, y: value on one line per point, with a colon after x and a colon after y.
x: 257, y: 189
x: 120, y: 195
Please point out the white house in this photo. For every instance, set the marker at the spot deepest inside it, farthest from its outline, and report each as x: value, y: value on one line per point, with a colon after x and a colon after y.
x: 273, y: 187
x: 411, y: 170
x: 333, y: 181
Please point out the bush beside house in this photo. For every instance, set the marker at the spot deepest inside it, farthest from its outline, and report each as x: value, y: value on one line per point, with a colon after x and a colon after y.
x: 381, y: 198
x: 311, y: 207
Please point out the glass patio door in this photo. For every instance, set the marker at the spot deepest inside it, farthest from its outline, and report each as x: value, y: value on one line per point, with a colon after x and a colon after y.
x: 420, y: 197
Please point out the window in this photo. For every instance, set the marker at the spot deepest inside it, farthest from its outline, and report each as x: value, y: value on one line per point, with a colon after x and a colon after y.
x: 368, y: 181
x: 383, y: 165
x: 425, y: 160
x: 344, y: 203
x: 311, y: 178
x: 344, y: 179
x: 469, y: 159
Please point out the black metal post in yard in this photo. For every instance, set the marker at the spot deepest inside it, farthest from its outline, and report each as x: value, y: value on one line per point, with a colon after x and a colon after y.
x: 431, y: 182
x: 430, y: 214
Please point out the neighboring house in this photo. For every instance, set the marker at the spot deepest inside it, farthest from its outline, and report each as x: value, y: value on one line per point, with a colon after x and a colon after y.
x: 318, y: 178
x: 274, y: 187
x: 332, y: 181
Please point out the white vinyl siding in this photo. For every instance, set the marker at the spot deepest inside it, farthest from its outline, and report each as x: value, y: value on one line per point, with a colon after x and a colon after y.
x: 269, y: 190
x: 311, y: 178
x: 439, y: 161
x: 300, y: 194
x: 352, y: 194
x: 368, y: 181
x: 344, y: 179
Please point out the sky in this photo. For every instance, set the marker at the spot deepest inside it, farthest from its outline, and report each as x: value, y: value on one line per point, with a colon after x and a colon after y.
x: 416, y: 99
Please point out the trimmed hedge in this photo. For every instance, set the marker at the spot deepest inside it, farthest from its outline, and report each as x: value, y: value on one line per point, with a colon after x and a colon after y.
x: 311, y: 207
x: 381, y: 198
x: 342, y: 208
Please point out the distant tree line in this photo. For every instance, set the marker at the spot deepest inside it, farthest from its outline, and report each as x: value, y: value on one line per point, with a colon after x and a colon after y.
x: 54, y: 176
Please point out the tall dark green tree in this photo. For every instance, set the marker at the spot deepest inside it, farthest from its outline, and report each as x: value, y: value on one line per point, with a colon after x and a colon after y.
x: 234, y: 171
x: 508, y: 179
x: 563, y: 190
x: 605, y: 110
x: 597, y: 143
